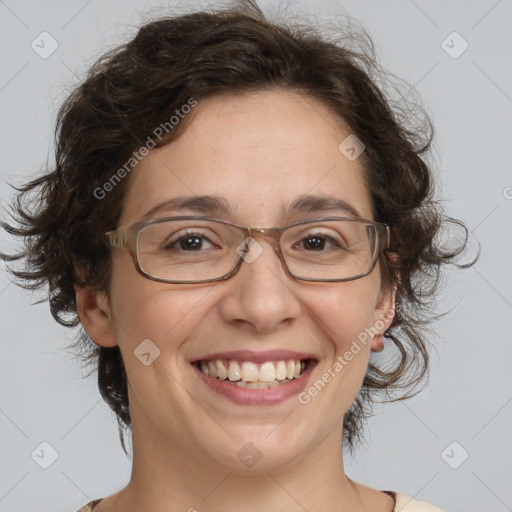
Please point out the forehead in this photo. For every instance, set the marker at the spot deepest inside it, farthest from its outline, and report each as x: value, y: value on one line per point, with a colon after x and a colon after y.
x: 260, y: 151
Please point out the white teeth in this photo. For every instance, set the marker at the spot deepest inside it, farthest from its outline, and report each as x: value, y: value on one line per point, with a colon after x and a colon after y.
x: 259, y: 385
x: 234, y: 371
x: 267, y: 372
x: 281, y: 370
x: 221, y: 370
x: 290, y: 369
x: 212, y: 369
x: 248, y: 372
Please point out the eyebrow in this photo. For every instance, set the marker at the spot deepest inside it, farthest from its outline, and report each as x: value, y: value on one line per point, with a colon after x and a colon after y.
x: 218, y: 205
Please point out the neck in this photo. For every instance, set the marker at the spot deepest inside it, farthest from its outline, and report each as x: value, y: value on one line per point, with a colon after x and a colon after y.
x: 170, y: 477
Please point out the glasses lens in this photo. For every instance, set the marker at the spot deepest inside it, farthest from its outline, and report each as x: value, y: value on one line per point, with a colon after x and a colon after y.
x: 331, y: 249
x: 187, y: 249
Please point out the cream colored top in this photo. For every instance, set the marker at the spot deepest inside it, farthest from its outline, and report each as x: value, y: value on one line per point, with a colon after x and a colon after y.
x: 403, y: 503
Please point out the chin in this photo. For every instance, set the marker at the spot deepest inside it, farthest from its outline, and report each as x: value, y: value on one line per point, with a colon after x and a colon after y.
x: 254, y: 449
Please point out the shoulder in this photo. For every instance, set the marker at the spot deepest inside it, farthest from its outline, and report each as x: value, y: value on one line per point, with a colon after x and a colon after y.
x: 89, y: 506
x: 405, y: 503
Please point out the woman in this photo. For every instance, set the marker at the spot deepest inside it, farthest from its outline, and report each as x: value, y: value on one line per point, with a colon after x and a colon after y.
x: 238, y: 357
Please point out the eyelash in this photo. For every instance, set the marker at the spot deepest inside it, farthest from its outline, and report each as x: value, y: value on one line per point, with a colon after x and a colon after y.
x: 172, y: 243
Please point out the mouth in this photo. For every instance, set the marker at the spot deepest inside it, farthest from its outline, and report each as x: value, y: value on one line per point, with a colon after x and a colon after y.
x: 250, y: 375
x: 255, y: 378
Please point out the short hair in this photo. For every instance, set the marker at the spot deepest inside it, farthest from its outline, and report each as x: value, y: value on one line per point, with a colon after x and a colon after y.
x: 138, y: 86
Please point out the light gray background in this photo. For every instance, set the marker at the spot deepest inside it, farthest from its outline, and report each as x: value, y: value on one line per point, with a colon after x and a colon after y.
x: 43, y: 396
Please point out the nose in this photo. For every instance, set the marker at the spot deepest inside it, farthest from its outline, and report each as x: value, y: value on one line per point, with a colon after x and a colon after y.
x: 261, y: 295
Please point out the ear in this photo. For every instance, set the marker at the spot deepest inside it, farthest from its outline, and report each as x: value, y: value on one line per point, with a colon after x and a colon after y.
x: 383, y: 317
x: 94, y: 312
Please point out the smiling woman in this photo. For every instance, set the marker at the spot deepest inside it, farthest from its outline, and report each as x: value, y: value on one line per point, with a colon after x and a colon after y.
x: 231, y: 288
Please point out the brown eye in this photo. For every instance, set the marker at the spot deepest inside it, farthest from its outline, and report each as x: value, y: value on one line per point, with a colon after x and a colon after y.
x: 317, y: 243
x: 188, y: 243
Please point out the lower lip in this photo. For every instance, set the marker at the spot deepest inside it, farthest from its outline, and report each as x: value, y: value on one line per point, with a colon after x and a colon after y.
x: 244, y: 396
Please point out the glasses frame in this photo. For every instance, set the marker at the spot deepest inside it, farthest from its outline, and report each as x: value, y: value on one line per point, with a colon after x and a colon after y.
x: 126, y: 237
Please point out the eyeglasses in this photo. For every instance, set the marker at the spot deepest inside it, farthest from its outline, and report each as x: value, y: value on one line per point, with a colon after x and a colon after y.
x: 195, y: 249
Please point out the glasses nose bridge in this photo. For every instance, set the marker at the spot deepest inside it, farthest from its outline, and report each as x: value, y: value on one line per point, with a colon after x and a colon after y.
x: 274, y: 233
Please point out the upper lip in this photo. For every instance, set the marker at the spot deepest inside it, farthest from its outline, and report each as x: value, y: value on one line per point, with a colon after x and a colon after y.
x: 256, y: 357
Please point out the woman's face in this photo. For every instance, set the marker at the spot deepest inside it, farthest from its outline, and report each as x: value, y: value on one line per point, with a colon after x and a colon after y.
x: 260, y: 152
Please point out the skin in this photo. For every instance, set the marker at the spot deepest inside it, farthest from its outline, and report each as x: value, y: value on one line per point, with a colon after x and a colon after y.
x: 260, y: 151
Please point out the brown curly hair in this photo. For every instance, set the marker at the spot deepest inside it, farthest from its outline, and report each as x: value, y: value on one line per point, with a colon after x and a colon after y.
x: 134, y: 87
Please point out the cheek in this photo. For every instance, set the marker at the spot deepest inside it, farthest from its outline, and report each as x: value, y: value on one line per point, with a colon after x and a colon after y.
x: 143, y: 309
x: 344, y: 313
